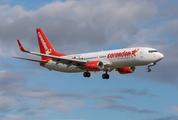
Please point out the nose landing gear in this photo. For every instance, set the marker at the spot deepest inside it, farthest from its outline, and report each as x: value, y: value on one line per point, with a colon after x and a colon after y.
x: 148, y: 69
x: 149, y: 65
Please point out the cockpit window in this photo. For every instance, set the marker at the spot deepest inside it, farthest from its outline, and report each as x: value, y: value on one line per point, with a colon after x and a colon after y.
x: 151, y: 51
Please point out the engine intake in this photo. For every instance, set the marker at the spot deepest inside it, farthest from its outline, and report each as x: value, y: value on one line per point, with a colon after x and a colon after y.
x: 126, y: 70
x: 94, y: 66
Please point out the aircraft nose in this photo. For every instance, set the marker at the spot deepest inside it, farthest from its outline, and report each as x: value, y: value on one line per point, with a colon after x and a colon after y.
x: 160, y: 56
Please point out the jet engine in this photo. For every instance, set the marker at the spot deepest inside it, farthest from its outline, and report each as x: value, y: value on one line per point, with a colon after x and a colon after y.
x: 94, y: 66
x: 126, y: 70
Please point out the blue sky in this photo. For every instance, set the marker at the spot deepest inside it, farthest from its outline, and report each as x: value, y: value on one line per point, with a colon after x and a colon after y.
x: 30, y: 92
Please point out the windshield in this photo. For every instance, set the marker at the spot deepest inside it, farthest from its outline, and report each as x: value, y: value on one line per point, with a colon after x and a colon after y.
x: 151, y: 51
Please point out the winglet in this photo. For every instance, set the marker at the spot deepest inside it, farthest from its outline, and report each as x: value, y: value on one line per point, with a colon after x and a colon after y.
x: 21, y: 47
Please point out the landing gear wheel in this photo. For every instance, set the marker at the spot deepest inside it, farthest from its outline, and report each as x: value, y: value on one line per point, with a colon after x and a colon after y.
x: 149, y: 65
x: 105, y: 76
x: 148, y: 70
x: 86, y: 74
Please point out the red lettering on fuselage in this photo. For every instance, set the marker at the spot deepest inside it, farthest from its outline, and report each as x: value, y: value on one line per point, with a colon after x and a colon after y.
x: 123, y: 54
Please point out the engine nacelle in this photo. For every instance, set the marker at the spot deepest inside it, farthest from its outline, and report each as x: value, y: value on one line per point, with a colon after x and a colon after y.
x: 126, y: 70
x: 94, y: 66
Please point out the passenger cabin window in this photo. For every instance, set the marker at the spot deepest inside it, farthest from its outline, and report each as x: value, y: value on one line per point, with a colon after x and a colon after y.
x: 151, y: 51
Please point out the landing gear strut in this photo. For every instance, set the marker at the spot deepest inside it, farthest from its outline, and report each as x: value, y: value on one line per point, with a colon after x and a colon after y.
x: 86, y: 74
x: 149, y: 65
x: 105, y: 76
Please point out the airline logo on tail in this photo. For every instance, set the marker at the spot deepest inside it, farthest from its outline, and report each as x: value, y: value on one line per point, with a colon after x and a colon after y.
x: 47, y: 50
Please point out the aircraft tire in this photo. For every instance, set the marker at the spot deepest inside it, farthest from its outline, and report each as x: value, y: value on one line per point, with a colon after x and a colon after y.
x: 105, y: 76
x: 85, y: 74
x: 88, y: 74
x: 148, y: 70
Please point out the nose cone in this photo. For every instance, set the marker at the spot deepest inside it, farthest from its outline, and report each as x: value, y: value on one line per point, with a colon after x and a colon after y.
x: 160, y: 56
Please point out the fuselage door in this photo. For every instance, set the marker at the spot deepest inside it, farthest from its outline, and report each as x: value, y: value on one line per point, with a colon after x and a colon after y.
x: 141, y: 53
x: 154, y: 54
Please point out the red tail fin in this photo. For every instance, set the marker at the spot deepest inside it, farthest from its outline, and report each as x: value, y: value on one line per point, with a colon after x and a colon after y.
x: 45, y: 46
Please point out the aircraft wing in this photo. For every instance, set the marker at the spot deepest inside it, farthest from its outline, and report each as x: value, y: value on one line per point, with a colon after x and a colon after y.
x: 41, y: 61
x: 63, y: 59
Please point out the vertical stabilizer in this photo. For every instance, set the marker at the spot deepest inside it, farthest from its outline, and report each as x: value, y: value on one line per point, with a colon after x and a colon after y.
x: 45, y: 45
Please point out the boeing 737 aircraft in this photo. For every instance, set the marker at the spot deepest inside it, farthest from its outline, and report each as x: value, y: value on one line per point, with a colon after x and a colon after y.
x: 121, y: 60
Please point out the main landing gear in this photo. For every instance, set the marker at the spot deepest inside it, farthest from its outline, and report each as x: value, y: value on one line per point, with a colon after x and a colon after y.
x: 105, y: 76
x: 86, y: 74
x: 149, y: 65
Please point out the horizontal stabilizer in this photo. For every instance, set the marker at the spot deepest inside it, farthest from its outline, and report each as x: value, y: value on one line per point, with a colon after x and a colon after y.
x: 54, y: 58
x: 34, y: 60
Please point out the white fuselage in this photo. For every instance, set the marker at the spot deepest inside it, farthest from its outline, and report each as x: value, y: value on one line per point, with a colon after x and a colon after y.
x: 112, y: 58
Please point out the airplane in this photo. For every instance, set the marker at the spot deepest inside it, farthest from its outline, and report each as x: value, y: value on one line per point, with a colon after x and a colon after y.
x: 121, y: 60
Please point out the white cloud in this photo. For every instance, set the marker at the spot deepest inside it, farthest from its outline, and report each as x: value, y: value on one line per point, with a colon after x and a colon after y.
x: 13, y: 117
x: 7, y: 102
x: 174, y: 109
x: 15, y: 96
x: 77, y: 24
x: 112, y: 105
x: 69, y: 119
